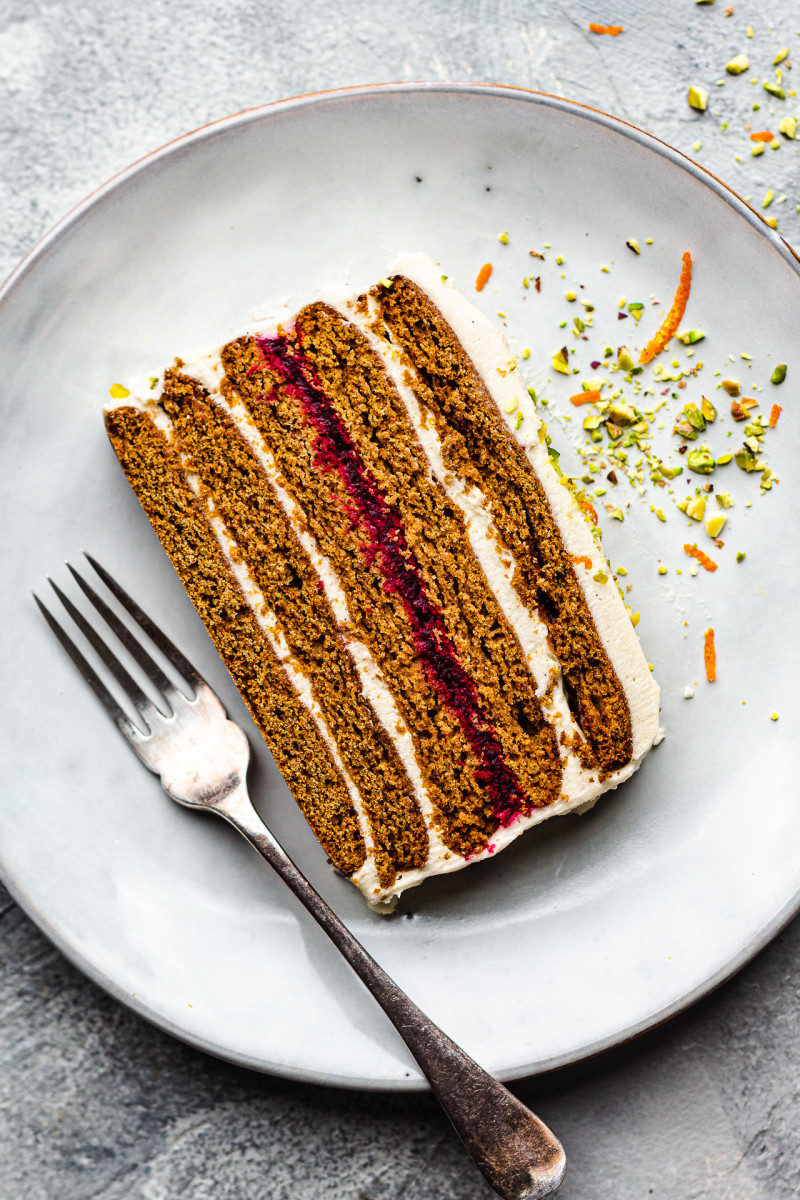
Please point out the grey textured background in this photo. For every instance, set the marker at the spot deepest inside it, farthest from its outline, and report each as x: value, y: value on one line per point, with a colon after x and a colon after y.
x: 93, y: 1102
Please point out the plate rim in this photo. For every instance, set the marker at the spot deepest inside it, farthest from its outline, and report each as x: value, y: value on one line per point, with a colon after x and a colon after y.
x: 263, y: 112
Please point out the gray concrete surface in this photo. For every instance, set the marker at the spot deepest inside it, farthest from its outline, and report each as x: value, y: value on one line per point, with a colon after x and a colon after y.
x: 93, y: 1102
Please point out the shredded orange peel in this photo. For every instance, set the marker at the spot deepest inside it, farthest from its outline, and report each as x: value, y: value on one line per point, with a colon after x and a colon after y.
x: 611, y: 30
x: 710, y: 656
x: 701, y: 557
x: 763, y: 135
x: 582, y: 558
x: 591, y: 396
x: 587, y: 508
x: 483, y: 277
x: 773, y: 416
x: 674, y: 316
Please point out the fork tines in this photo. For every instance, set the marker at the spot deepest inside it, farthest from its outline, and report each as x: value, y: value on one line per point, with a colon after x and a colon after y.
x: 164, y: 686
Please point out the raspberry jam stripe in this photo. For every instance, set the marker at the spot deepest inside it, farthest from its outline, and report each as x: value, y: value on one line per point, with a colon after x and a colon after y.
x: 386, y: 545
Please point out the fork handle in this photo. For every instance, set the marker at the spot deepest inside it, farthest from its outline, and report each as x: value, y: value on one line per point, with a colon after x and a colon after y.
x: 518, y: 1155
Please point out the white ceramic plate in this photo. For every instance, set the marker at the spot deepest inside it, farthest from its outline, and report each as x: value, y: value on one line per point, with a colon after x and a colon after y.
x: 582, y: 933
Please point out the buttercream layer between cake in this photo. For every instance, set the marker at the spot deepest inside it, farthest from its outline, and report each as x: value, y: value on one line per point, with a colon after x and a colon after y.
x: 335, y: 466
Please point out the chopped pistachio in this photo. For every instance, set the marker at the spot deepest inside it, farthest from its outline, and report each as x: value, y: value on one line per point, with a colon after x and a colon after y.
x: 600, y: 577
x: 773, y: 716
x: 724, y: 499
x: 633, y: 245
x: 695, y: 417
x: 621, y: 414
x: 593, y: 421
x: 697, y: 97
x: 724, y: 459
x: 740, y: 556
x: 520, y: 419
x: 788, y: 127
x: 768, y: 198
x: 503, y: 237
x: 690, y: 336
x: 153, y: 382
x: 526, y: 354
x: 624, y: 359
x: 387, y: 283
x: 781, y: 56
x: 561, y: 361
x: 731, y: 386
x: 696, y: 508
x: 635, y: 617
x: 757, y: 149
x: 118, y: 391
x: 774, y: 89
x: 746, y: 459
x: 772, y: 222
x: 738, y: 65
x: 779, y: 374
x: 570, y: 296
x: 622, y: 571
x: 715, y: 524
x: 617, y: 514
x: 707, y: 409
x: 511, y: 404
x: 701, y: 461
x: 662, y: 570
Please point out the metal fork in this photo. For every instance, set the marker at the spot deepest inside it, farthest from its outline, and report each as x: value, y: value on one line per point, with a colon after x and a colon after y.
x: 202, y: 760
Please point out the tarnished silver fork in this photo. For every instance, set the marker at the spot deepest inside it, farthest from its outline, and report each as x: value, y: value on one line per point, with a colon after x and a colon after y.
x: 202, y: 759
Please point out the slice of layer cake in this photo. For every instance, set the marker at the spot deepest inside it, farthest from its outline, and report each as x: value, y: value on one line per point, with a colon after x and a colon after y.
x: 418, y: 614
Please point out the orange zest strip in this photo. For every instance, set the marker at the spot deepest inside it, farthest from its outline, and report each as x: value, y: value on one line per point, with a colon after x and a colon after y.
x: 589, y: 397
x: 582, y: 558
x: 587, y: 508
x: 701, y: 557
x: 773, y: 416
x: 710, y: 656
x: 483, y: 277
x: 674, y: 316
x: 611, y: 30
x: 763, y: 135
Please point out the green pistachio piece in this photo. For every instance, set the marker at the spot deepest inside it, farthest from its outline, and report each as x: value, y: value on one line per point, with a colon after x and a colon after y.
x: 684, y: 429
x: 745, y: 459
x: 561, y: 361
x: 738, y: 64
x: 701, y: 461
x: 697, y: 98
x: 695, y: 417
x: 788, y: 127
x: 774, y: 89
x: 621, y: 414
x: 779, y: 374
x: 708, y: 410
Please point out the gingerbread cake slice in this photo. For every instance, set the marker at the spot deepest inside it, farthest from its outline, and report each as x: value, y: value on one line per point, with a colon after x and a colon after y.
x: 362, y: 508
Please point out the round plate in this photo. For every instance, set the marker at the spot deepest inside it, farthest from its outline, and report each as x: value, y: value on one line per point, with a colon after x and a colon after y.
x: 587, y: 930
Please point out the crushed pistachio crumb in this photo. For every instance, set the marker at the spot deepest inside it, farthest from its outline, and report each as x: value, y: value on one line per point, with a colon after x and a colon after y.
x: 662, y: 570
x: 503, y: 238
x: 740, y: 555
x: 738, y: 65
x: 773, y: 716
